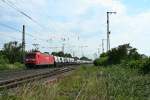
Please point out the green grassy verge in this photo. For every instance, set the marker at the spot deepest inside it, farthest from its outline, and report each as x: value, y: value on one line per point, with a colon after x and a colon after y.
x: 90, y: 83
x: 15, y: 66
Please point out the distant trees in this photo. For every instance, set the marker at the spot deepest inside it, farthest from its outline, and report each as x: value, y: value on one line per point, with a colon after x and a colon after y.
x: 61, y: 54
x: 118, y: 55
x: 126, y: 56
x: 85, y: 58
x: 12, y: 51
x: 76, y: 58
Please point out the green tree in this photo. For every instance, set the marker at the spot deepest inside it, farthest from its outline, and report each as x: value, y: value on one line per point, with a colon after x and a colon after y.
x: 67, y: 55
x: 133, y: 54
x: 84, y: 58
x: 12, y: 51
x: 123, y: 53
x: 61, y: 54
x: 116, y: 55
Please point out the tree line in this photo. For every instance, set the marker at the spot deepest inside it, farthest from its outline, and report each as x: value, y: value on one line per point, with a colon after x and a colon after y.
x: 125, y: 55
x: 12, y: 53
x: 62, y: 54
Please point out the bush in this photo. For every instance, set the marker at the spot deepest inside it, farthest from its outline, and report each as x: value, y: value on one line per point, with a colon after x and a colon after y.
x: 96, y: 62
x: 135, y: 64
x: 123, y: 53
x: 4, y: 67
x: 101, y: 61
x: 146, y: 66
x: 3, y: 60
x: 18, y: 65
x: 14, y: 66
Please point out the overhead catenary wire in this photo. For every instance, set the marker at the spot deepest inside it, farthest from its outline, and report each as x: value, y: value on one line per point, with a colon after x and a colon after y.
x: 13, y: 6
x: 10, y: 4
x: 7, y: 26
x: 12, y: 28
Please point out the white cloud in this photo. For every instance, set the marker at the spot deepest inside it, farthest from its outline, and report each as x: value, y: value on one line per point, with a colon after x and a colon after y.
x: 132, y: 29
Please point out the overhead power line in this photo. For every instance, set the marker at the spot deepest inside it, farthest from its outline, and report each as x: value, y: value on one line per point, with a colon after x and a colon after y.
x: 10, y: 4
x: 12, y: 28
x: 13, y: 6
x: 7, y: 26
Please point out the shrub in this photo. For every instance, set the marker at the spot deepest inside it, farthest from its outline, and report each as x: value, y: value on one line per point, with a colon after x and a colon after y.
x: 96, y: 61
x: 3, y: 60
x: 14, y: 66
x: 18, y: 65
x: 123, y: 53
x: 3, y: 67
x: 101, y: 61
x: 135, y: 64
x: 146, y: 66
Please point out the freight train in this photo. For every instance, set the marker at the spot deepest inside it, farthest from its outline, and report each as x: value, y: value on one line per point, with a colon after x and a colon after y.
x: 38, y: 59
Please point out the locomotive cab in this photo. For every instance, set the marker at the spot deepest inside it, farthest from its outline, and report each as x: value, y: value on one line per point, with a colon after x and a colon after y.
x: 30, y: 60
x: 35, y: 59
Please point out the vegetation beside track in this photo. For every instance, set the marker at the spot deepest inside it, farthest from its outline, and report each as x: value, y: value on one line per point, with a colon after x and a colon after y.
x: 11, y: 56
x: 90, y: 83
x: 126, y: 56
x: 15, y: 66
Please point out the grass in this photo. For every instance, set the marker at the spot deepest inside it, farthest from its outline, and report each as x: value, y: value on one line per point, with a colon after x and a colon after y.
x: 89, y: 83
x: 15, y: 66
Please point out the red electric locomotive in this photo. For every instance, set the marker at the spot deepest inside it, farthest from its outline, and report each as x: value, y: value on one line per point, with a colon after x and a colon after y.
x: 37, y: 58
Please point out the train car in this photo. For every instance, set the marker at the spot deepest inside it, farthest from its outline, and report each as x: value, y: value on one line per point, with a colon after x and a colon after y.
x: 58, y: 61
x: 36, y: 59
x: 73, y: 62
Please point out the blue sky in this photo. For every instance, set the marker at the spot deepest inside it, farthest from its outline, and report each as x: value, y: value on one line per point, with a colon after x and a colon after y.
x: 80, y: 22
x: 136, y: 6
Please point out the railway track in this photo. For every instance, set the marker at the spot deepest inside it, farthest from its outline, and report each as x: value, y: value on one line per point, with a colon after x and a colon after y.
x: 14, y: 82
x: 13, y: 74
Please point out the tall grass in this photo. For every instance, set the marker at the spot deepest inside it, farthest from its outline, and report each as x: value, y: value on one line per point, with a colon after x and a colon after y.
x: 90, y: 83
x: 15, y: 66
x: 6, y: 65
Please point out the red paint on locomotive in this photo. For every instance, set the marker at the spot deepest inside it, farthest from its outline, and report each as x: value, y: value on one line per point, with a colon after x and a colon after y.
x: 38, y: 58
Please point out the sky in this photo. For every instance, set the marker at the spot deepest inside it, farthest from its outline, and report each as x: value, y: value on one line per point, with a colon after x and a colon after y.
x: 79, y: 25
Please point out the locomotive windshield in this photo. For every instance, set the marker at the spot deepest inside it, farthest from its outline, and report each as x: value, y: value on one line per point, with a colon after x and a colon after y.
x: 31, y: 55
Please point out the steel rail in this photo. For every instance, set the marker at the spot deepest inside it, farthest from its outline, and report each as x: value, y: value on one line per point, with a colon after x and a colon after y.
x: 12, y: 83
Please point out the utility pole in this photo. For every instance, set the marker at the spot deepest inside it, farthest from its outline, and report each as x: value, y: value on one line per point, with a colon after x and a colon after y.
x: 102, y: 45
x: 98, y: 51
x: 103, y: 50
x: 108, y: 31
x: 23, y: 44
x: 73, y: 54
x: 63, y: 47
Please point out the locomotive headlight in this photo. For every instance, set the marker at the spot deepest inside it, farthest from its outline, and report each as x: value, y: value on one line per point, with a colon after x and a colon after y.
x: 32, y: 59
